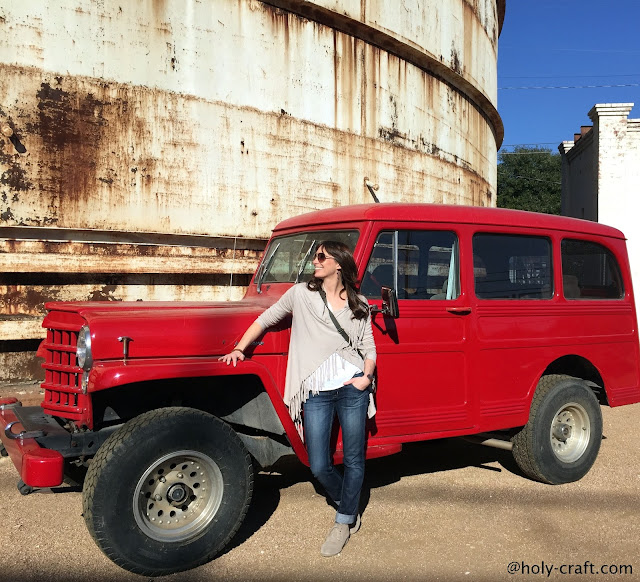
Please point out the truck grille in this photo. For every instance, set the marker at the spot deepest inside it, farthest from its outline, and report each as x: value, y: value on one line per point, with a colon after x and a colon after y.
x: 63, y: 394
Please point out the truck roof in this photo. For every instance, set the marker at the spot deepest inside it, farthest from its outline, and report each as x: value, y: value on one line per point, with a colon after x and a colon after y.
x: 406, y: 212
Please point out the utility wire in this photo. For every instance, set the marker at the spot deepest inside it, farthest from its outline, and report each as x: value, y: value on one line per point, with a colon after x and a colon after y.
x: 548, y: 153
x: 533, y: 143
x: 573, y: 87
x: 568, y: 76
x: 528, y: 178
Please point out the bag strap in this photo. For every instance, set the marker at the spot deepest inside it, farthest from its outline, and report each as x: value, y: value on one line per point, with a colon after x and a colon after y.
x: 341, y: 331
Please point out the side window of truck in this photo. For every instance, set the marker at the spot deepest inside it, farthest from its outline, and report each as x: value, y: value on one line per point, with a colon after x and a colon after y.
x: 589, y: 271
x: 512, y: 266
x: 427, y: 265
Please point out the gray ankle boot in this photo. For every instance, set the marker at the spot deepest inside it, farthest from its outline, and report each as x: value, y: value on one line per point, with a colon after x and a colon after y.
x: 356, y: 526
x: 336, y: 540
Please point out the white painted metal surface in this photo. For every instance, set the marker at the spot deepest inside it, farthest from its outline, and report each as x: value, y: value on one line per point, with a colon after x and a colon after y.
x: 223, y: 117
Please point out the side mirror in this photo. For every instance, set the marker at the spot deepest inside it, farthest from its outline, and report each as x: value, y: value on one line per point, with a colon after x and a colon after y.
x: 389, y: 302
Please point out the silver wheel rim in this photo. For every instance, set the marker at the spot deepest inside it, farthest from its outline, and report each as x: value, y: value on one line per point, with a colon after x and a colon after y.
x: 570, y: 432
x: 177, y: 496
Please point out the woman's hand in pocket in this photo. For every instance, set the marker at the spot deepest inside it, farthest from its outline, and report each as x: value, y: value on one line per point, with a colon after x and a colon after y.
x: 359, y: 382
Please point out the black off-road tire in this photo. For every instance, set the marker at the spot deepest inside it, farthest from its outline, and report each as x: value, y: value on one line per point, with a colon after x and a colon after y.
x: 167, y: 491
x: 561, y: 441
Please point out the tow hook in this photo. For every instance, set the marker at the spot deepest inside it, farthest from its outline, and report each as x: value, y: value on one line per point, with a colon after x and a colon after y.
x: 25, y: 434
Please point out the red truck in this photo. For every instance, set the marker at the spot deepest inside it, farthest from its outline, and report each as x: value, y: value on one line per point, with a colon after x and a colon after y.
x: 507, y: 327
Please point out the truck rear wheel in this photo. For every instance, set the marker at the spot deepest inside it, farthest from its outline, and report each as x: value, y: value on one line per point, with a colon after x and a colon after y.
x: 561, y: 441
x: 167, y: 491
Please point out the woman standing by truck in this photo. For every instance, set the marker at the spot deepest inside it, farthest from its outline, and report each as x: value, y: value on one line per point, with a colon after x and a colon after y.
x: 330, y: 369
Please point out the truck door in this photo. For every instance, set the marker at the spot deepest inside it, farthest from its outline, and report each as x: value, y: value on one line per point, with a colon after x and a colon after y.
x: 516, y: 320
x: 422, y: 368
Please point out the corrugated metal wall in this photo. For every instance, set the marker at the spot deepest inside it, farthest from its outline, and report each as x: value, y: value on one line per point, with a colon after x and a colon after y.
x: 149, y: 146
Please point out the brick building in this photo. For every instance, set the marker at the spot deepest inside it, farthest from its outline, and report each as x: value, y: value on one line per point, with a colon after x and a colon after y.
x: 601, y: 174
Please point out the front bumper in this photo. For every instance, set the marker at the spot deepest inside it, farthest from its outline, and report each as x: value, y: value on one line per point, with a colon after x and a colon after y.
x: 37, y: 466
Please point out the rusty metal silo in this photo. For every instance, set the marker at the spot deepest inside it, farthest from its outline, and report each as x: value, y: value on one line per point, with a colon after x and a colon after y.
x: 148, y: 147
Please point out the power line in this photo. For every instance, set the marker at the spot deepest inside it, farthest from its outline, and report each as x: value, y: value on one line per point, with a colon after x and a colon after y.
x: 573, y: 87
x: 533, y: 143
x: 612, y: 51
x: 568, y: 76
x: 531, y: 179
x: 547, y: 153
x: 568, y: 49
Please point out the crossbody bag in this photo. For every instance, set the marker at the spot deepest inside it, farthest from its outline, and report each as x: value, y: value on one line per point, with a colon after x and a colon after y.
x: 340, y: 329
x: 345, y: 335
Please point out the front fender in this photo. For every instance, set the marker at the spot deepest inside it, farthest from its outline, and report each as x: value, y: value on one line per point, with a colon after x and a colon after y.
x: 111, y: 374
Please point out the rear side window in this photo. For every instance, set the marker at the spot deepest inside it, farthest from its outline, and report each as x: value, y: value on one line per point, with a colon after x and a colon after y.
x: 590, y: 271
x: 512, y: 266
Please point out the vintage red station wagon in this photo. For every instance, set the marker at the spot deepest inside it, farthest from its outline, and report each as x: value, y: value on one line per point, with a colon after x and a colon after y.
x: 511, y: 328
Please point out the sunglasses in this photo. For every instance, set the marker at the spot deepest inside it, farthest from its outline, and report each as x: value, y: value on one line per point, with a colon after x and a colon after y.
x: 322, y: 257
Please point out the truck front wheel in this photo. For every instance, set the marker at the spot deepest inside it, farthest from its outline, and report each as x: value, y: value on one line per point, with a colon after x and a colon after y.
x: 561, y: 441
x: 167, y: 491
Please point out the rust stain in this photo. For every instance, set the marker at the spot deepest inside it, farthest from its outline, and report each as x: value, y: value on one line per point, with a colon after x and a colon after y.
x: 159, y: 6
x: 79, y: 134
x: 14, y: 180
x: 36, y: 298
x: 490, y: 19
x: 70, y: 126
x: 105, y: 293
x: 25, y: 299
x: 455, y: 60
x: 14, y: 177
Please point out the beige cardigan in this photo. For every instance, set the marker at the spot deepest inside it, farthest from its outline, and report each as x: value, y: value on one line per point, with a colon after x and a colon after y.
x: 314, y: 338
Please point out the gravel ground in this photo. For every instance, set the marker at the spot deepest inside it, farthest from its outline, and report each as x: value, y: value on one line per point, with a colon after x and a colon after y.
x: 441, y: 510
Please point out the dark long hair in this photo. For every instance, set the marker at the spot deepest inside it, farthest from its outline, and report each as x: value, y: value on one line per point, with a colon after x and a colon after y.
x: 349, y: 272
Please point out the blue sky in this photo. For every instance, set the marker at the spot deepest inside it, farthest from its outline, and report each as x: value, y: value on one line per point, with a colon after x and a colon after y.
x: 551, y: 43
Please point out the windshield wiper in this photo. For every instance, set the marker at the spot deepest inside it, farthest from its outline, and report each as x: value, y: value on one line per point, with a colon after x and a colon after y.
x: 303, y: 264
x: 265, y: 268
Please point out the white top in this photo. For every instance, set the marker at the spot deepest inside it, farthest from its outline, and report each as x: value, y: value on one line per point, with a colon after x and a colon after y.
x: 331, y: 374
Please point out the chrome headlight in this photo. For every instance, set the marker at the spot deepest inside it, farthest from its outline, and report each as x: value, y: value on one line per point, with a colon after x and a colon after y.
x: 83, y: 348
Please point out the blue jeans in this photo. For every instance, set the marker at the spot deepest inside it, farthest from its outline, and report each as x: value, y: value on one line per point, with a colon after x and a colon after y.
x: 351, y: 405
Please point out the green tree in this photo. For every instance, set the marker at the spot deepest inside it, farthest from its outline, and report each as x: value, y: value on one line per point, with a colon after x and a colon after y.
x: 530, y: 179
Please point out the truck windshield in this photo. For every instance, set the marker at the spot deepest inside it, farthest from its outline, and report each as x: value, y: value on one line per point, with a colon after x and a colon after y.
x: 288, y: 259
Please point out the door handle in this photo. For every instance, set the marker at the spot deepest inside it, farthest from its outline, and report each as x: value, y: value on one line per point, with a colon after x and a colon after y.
x: 459, y: 310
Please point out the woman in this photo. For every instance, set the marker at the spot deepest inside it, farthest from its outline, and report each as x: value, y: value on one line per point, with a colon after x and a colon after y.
x: 327, y: 375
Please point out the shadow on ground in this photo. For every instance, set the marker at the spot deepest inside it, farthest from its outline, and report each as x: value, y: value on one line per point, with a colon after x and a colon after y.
x: 414, y: 459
